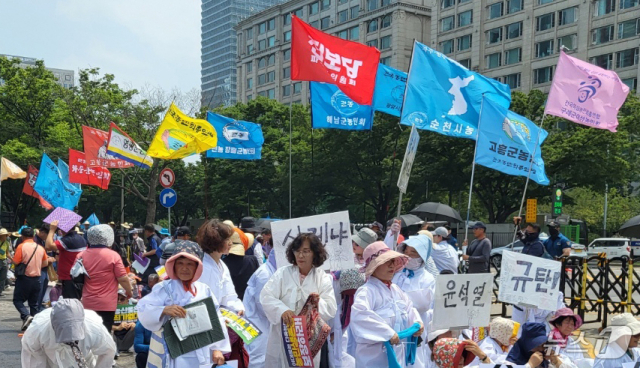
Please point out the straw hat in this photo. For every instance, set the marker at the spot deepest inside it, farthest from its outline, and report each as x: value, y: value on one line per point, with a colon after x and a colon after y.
x: 378, y: 254
x: 427, y: 233
x: 3, y: 231
x: 237, y: 245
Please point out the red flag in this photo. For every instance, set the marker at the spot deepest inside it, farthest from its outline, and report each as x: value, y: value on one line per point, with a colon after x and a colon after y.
x: 32, y: 176
x: 319, y: 57
x: 95, y: 148
x: 81, y: 173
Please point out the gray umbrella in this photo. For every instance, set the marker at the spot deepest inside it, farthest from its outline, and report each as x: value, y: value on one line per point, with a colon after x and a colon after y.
x: 631, y: 228
x: 407, y: 220
x: 432, y: 211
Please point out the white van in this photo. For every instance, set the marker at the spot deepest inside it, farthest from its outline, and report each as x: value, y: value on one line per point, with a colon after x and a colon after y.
x: 613, y: 247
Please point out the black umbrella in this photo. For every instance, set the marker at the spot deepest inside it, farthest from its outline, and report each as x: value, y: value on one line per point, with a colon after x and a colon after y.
x: 407, y: 220
x: 265, y: 223
x: 432, y: 211
x: 631, y: 228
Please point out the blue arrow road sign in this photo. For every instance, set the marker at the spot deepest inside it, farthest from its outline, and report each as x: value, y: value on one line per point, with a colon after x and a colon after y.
x: 168, y: 198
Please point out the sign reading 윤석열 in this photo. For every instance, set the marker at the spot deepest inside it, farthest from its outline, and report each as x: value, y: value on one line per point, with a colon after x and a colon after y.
x: 463, y: 300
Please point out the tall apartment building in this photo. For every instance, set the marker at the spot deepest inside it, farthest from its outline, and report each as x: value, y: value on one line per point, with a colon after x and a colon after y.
x: 64, y: 77
x: 219, y: 47
x: 518, y: 41
x: 264, y: 39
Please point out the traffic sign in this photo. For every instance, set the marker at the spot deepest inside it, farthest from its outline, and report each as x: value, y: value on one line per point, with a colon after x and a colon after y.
x: 168, y: 198
x: 167, y: 178
x: 557, y: 202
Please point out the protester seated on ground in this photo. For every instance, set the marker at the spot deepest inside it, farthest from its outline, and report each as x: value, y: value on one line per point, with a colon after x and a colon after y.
x: 531, y: 351
x: 622, y: 346
x: 67, y: 335
x: 153, y: 279
x: 141, y: 345
x: 564, y: 322
x: 453, y: 353
x: 123, y: 332
x: 502, y: 335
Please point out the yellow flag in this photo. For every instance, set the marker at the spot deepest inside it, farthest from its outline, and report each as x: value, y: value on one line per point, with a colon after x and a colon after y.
x: 10, y: 170
x: 180, y: 136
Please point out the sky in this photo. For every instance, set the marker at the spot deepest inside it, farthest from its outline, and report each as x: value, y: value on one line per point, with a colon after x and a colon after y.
x: 152, y: 43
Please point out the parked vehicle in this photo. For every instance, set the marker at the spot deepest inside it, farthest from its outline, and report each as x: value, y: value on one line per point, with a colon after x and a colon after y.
x: 613, y: 247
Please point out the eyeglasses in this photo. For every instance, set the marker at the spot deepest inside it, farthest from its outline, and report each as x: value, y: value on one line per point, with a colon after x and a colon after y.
x: 304, y: 252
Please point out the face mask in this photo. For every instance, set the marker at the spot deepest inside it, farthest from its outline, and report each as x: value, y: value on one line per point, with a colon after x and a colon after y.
x: 554, y: 232
x: 530, y: 236
x: 414, y: 263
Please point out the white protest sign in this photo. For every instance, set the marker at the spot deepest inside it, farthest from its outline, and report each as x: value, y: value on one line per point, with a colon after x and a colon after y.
x: 333, y: 229
x: 409, y: 157
x: 529, y: 281
x: 462, y: 300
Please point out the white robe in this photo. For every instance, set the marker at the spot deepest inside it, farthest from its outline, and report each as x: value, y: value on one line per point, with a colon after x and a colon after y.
x: 255, y: 313
x: 445, y: 257
x: 536, y: 314
x: 40, y: 350
x: 493, y: 350
x: 218, y: 278
x: 565, y: 363
x: 150, y: 310
x: 614, y: 356
x: 420, y: 289
x: 378, y: 313
x: 284, y: 292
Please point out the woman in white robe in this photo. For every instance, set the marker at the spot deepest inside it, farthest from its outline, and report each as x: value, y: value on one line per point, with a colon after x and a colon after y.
x: 418, y: 284
x: 381, y: 309
x: 623, y: 342
x: 214, y: 237
x: 530, y: 349
x: 286, y: 292
x: 168, y: 297
x: 255, y: 313
x: 502, y: 336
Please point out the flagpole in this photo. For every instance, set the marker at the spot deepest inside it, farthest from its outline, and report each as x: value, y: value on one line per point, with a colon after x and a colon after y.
x: 526, y: 184
x: 290, y: 132
x: 473, y: 172
x: 1, y: 191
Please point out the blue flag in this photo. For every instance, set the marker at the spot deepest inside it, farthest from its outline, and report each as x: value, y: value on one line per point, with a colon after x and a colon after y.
x: 64, y: 172
x: 93, y: 220
x: 332, y: 109
x: 507, y: 142
x: 53, y: 188
x: 389, y: 92
x: 445, y: 97
x: 237, y: 140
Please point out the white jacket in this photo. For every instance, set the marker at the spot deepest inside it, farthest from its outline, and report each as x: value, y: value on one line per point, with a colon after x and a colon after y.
x: 378, y: 313
x: 445, y: 257
x: 493, y: 350
x: 284, y: 292
x: 150, y: 310
x: 255, y: 313
x: 420, y: 289
x: 40, y: 350
x: 218, y: 278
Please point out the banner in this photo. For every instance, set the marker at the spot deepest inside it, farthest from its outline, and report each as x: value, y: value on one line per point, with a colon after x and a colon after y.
x: 67, y: 220
x: 122, y: 146
x: 125, y: 313
x: 444, y: 97
x: 29, y: 183
x: 319, y: 57
x: 586, y: 94
x: 333, y: 229
x: 9, y: 170
x: 507, y: 142
x: 332, y: 109
x: 180, y: 136
x: 238, y: 140
x: 462, y: 300
x: 95, y: 149
x: 409, y: 157
x: 53, y: 188
x: 296, y: 343
x: 247, y: 331
x: 82, y: 174
x: 93, y: 220
x: 389, y: 93
x: 529, y: 281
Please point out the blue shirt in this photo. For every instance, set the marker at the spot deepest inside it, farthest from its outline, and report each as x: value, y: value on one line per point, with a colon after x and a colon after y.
x: 555, y: 246
x: 533, y: 248
x: 453, y: 241
x: 142, y: 339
